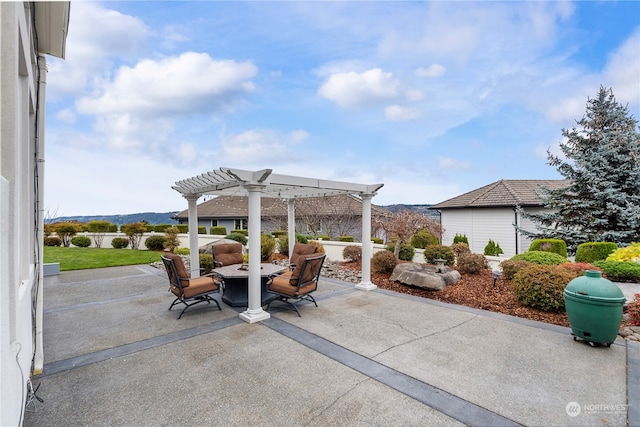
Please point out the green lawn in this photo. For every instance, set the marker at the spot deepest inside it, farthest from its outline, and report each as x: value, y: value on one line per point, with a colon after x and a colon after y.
x: 84, y: 258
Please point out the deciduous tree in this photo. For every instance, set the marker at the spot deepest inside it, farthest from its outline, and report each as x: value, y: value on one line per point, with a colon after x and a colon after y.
x: 404, y: 224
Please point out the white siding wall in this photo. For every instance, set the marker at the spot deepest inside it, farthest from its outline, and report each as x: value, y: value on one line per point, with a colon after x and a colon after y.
x: 20, y: 277
x: 480, y: 225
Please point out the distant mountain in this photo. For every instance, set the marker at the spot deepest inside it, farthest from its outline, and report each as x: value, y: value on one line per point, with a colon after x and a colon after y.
x: 150, y: 217
x: 165, y: 217
x: 423, y: 209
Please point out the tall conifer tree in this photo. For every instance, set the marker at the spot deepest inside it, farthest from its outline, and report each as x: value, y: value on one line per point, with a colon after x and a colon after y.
x: 601, y: 163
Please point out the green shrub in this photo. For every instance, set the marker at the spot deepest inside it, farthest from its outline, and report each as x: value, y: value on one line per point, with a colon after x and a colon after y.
x: 434, y: 252
x: 620, y: 271
x: 323, y: 237
x: 345, y: 238
x: 184, y: 251
x: 81, y: 241
x: 279, y: 233
x: 406, y: 251
x: 219, y: 230
x: 377, y: 240
x: 282, y: 243
x: 557, y: 246
x: 540, y: 257
x: 302, y: 238
x: 492, y: 249
x: 161, y: 228
x: 52, y: 241
x: 206, y: 263
x: 594, y: 251
x: 241, y: 238
x: 243, y: 232
x: 155, y: 243
x: 460, y: 248
x: 472, y: 263
x: 171, y: 240
x: 461, y: 238
x: 119, y: 242
x: 511, y: 266
x: 629, y: 253
x: 422, y: 239
x: 384, y: 262
x: 267, y: 246
x: 184, y: 228
x: 542, y: 286
x: 352, y: 253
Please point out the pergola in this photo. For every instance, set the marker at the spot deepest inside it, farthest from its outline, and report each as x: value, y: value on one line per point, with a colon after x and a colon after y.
x: 264, y: 183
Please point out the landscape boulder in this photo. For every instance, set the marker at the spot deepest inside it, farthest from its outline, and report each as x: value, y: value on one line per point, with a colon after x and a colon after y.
x: 430, y: 277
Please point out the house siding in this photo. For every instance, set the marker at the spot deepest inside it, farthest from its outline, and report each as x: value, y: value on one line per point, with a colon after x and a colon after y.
x: 480, y: 225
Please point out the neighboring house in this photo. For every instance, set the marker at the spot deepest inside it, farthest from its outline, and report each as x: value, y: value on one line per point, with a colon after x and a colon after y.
x: 332, y: 215
x: 29, y: 31
x: 489, y: 212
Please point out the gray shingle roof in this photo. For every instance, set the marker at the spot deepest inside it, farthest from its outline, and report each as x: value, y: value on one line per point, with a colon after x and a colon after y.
x: 506, y: 192
x: 235, y: 207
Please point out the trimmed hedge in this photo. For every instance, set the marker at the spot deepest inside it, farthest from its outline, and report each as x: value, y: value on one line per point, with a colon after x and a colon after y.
x: 556, y: 246
x: 384, y: 262
x: 345, y: 238
x: 155, y: 243
x: 406, y: 251
x: 542, y: 286
x: 594, y: 251
x: 620, y: 271
x: 219, y: 230
x: 238, y: 237
x: 433, y: 252
x: 540, y: 257
x: 81, y: 241
x: 119, y: 242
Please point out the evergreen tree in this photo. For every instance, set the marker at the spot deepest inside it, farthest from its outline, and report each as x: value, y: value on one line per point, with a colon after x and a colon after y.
x: 601, y: 163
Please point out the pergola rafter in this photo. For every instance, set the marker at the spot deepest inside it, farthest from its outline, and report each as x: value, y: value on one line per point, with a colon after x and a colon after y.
x: 264, y: 183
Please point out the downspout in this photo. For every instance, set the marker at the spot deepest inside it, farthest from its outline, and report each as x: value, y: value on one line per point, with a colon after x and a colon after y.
x: 517, y: 224
x: 38, y: 180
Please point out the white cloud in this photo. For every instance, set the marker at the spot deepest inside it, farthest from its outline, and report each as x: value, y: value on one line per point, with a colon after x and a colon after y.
x: 96, y: 36
x: 449, y: 164
x: 190, y: 83
x: 262, y: 148
x: 397, y: 113
x: 353, y: 89
x: 66, y: 116
x: 623, y: 70
x: 434, y: 70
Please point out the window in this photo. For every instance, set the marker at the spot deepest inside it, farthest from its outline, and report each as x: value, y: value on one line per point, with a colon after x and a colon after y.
x: 240, y: 224
x: 214, y: 222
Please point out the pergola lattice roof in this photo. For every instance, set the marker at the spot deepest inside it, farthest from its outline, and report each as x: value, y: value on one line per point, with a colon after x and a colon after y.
x: 233, y: 182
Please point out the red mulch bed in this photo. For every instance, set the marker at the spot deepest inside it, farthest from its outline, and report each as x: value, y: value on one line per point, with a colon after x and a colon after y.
x: 474, y: 290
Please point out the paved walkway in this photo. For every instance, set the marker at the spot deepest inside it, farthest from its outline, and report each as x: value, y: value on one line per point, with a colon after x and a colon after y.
x: 114, y: 355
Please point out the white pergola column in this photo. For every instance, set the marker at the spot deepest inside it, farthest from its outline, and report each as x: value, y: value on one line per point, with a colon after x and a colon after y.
x: 193, y: 235
x: 291, y: 224
x: 254, y: 312
x: 367, y: 246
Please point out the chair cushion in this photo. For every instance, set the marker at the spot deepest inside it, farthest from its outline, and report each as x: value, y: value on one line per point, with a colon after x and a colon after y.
x: 200, y: 285
x: 308, y: 273
x: 227, y: 253
x: 282, y: 286
x: 301, y: 249
x: 179, y: 263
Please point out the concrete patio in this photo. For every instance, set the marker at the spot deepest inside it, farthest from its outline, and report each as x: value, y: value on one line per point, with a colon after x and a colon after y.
x: 114, y: 355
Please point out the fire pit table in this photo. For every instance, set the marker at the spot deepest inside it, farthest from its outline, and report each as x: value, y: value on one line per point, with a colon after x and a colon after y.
x: 236, y: 280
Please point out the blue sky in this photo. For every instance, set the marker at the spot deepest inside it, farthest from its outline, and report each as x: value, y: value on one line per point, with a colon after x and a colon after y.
x: 433, y: 99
